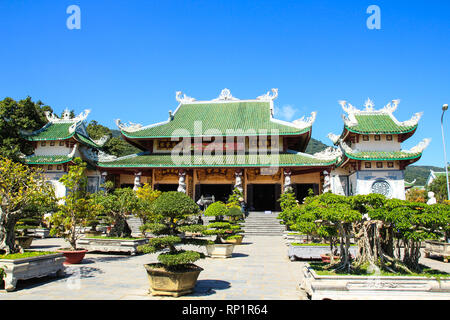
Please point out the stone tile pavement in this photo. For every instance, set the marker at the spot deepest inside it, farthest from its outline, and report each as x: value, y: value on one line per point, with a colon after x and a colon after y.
x: 258, y: 270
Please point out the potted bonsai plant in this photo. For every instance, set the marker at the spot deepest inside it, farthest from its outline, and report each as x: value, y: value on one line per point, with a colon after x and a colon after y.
x: 236, y: 216
x: 74, y: 214
x: 175, y: 274
x: 221, y: 229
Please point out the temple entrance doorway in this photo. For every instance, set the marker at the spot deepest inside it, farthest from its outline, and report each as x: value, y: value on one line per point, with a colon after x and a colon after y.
x: 263, y: 197
x: 301, y: 190
x: 221, y: 192
x: 164, y: 187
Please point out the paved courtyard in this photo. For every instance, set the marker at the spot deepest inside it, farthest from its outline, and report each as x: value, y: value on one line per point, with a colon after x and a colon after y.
x: 259, y: 269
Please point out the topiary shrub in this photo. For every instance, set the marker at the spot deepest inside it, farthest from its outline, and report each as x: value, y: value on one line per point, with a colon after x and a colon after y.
x: 172, y: 214
x: 218, y: 227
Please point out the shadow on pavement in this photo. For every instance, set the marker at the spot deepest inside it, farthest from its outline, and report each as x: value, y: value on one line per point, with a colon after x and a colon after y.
x: 209, y: 287
x: 239, y: 255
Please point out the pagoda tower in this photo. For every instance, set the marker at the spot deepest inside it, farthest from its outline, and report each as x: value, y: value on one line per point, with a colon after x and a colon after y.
x: 372, y: 158
x: 58, y: 143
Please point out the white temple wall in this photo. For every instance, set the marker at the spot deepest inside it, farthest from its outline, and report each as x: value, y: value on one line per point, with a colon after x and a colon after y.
x: 48, y: 150
x: 381, y: 145
x: 394, y: 179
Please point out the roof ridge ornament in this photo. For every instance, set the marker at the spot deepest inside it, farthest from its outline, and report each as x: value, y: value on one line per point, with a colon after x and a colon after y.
x: 268, y: 96
x: 102, y: 140
x: 65, y: 118
x: 420, y: 147
x: 130, y: 127
x: 183, y: 99
x: 329, y: 153
x: 413, y: 121
x: 225, y: 95
x: 308, y: 122
x: 333, y: 137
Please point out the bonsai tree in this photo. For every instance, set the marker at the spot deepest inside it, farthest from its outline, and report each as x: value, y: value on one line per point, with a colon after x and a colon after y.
x: 173, y: 212
x: 78, y: 208
x: 218, y: 226
x: 288, y: 204
x: 20, y: 187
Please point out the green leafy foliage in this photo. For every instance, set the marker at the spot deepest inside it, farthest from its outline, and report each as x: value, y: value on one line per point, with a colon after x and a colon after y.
x: 288, y: 205
x: 218, y: 226
x: 78, y: 208
x: 15, y: 116
x: 439, y: 187
x: 172, y: 214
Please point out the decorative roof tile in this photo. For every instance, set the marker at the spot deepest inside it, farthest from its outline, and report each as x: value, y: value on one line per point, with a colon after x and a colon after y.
x: 223, y: 116
x: 48, y: 159
x: 146, y: 160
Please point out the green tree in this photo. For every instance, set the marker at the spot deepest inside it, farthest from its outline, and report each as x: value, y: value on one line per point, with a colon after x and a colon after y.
x: 218, y: 227
x: 16, y: 116
x: 115, y: 145
x: 439, y: 187
x: 174, y: 212
x: 20, y: 187
x: 117, y: 205
x: 78, y: 208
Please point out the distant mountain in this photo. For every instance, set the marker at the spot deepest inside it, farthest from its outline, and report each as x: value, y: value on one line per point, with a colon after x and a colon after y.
x: 420, y: 173
x: 314, y: 146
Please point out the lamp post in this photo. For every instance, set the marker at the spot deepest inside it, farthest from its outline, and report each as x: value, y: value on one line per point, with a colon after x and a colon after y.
x: 444, y: 108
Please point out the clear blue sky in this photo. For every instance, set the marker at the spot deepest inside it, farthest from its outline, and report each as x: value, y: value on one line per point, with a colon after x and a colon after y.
x: 129, y: 58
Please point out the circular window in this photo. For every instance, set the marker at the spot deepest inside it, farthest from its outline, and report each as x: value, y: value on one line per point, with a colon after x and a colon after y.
x: 381, y: 187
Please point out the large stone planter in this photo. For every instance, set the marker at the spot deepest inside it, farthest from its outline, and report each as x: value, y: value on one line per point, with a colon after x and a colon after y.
x: 40, y: 233
x: 437, y: 248
x: 92, y: 233
x: 220, y: 250
x: 373, y: 287
x: 312, y: 252
x: 170, y: 283
x: 235, y: 241
x: 111, y: 245
x: 34, y: 267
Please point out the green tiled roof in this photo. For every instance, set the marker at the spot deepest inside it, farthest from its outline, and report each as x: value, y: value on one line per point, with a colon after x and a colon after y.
x: 250, y: 115
x: 146, y: 160
x: 47, y: 159
x: 86, y: 140
x: 60, y: 131
x: 52, y: 131
x: 383, y: 155
x: 378, y: 123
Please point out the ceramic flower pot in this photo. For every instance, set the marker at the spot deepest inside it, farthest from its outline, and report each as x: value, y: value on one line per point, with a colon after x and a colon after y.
x: 73, y: 257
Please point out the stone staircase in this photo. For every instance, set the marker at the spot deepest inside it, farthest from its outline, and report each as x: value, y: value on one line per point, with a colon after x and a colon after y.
x: 134, y: 223
x: 263, y: 224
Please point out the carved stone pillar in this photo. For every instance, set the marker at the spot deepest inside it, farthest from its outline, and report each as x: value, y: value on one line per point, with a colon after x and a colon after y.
x: 137, y: 180
x: 287, y: 180
x: 326, y: 181
x: 181, y: 181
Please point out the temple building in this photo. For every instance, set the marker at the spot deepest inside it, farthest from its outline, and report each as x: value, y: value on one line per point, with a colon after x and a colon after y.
x: 58, y: 143
x: 373, y: 161
x: 208, y: 148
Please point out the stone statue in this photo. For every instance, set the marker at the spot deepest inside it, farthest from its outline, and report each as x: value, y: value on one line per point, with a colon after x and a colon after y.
x: 182, y: 182
x: 238, y: 182
x: 137, y: 181
x: 432, y: 199
x: 287, y: 180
